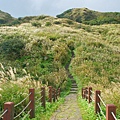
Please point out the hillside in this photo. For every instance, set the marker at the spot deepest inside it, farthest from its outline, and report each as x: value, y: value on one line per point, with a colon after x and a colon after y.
x: 40, y: 49
x: 5, y: 18
x: 86, y: 16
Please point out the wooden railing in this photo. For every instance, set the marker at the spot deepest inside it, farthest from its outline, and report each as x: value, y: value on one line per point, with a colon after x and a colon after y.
x: 88, y: 94
x: 8, y: 112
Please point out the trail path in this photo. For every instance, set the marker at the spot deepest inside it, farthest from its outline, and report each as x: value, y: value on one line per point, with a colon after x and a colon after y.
x: 70, y: 109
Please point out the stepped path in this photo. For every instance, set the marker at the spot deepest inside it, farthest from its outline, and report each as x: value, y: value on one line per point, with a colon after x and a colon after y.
x: 70, y: 109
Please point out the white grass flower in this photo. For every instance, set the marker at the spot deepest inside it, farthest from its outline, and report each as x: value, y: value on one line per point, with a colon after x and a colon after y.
x: 24, y: 71
x: 2, y: 74
x: 12, y: 73
x: 2, y: 66
x: 15, y: 70
x: 0, y: 96
x: 1, y: 89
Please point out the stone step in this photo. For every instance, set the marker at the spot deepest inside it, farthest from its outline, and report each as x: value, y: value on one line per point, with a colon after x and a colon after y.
x: 73, y: 81
x: 73, y: 92
x: 74, y: 89
x: 74, y: 86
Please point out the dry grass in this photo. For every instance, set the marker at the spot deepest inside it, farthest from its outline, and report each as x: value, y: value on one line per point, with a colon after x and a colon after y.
x: 97, y: 50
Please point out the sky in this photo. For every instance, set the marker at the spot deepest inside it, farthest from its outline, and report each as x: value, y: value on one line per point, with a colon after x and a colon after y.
x: 21, y: 8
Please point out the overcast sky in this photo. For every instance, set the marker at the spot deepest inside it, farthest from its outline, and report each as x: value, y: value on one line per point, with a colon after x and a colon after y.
x: 21, y: 8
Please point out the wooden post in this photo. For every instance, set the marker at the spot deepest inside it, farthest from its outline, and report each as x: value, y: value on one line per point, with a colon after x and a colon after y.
x: 109, y: 109
x: 43, y: 96
x: 82, y: 92
x: 32, y: 104
x: 89, y: 94
x: 50, y: 94
x: 86, y: 93
x: 97, y: 101
x: 9, y: 115
x: 58, y: 93
x: 53, y: 95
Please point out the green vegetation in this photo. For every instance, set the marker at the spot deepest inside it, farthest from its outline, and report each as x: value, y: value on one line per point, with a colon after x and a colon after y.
x: 42, y: 45
x: 42, y: 114
x: 51, y: 108
x: 96, y: 62
x: 48, y: 24
x: 5, y: 18
x: 87, y: 110
x: 36, y: 24
x: 12, y: 48
x: 86, y: 16
x: 15, y: 89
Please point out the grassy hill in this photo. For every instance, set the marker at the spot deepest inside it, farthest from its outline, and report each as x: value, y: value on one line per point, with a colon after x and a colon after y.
x: 86, y: 16
x: 5, y: 18
x: 39, y: 49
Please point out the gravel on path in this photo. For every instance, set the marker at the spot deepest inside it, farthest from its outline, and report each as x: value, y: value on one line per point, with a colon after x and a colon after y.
x: 69, y: 110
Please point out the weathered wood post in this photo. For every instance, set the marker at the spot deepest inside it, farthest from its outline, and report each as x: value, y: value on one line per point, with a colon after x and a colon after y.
x: 43, y: 97
x: 89, y: 94
x: 9, y: 115
x: 58, y: 93
x: 53, y: 95
x: 32, y: 104
x: 110, y: 108
x: 50, y: 94
x: 56, y: 96
x: 82, y: 93
x: 97, y: 101
x: 86, y: 93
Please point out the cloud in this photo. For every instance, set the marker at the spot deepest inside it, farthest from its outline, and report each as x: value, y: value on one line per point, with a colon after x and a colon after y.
x: 54, y: 6
x: 44, y: 6
x: 20, y: 8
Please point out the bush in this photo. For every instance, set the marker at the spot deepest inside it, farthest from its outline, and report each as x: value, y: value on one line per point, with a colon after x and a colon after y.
x: 57, y: 22
x: 70, y: 22
x: 2, y: 21
x: 12, y: 48
x: 70, y: 44
x: 36, y: 24
x: 15, y: 22
x: 48, y: 24
x: 41, y: 17
x: 54, y: 37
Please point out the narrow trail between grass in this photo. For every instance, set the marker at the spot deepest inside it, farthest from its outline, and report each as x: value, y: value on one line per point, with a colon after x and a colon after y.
x: 70, y: 109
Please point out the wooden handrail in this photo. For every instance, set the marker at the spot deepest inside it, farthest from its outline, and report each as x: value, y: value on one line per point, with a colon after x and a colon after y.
x: 8, y: 113
x: 110, y: 108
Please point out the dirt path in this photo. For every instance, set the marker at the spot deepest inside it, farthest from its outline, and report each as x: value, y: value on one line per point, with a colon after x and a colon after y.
x: 69, y: 110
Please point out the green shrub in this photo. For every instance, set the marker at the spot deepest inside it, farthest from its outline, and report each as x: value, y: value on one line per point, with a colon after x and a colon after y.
x: 70, y: 44
x: 54, y: 37
x: 2, y: 21
x: 36, y: 24
x: 48, y: 24
x: 13, y: 93
x: 12, y: 48
x: 15, y: 22
x: 41, y: 17
x: 87, y: 110
x: 57, y: 22
x: 70, y: 22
